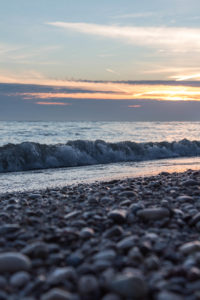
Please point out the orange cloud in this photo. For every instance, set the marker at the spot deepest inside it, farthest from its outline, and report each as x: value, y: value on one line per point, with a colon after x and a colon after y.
x: 134, y: 106
x: 53, y: 103
x: 121, y: 91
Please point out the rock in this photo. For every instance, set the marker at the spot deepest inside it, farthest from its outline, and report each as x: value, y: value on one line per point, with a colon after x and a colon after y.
x: 166, y: 295
x: 74, y: 259
x: 13, y: 262
x: 72, y: 214
x: 3, y: 295
x: 60, y: 274
x: 190, y: 182
x: 36, y: 250
x: 9, y: 228
x: 87, y: 233
x: 152, y: 262
x: 3, y: 282
x: 136, y: 207
x: 57, y: 294
x: 88, y: 287
x: 113, y: 231
x: 105, y: 255
x: 118, y: 215
x: 111, y: 297
x: 153, y: 214
x: 131, y: 285
x: 128, y: 194
x: 34, y: 196
x: 195, y: 219
x: 126, y: 243
x: 190, y: 247
x: 19, y: 279
x: 184, y: 198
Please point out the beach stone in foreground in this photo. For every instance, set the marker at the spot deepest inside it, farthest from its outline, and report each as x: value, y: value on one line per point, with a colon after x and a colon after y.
x: 19, y: 279
x: 118, y: 215
x: 13, y: 262
x: 60, y: 274
x: 153, y: 214
x: 131, y: 284
x: 166, y: 295
x: 57, y: 294
x: 190, y: 247
x: 89, y: 287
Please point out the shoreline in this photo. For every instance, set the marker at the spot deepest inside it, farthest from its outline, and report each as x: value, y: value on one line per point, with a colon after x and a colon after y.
x: 134, y: 238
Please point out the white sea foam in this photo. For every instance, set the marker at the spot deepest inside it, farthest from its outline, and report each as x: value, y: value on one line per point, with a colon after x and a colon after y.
x: 31, y: 156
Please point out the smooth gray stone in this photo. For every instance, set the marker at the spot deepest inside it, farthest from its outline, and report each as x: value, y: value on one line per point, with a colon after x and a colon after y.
x: 111, y: 297
x: 9, y: 228
x: 89, y: 286
x: 153, y: 214
x: 126, y: 243
x: 118, y: 215
x: 57, y: 294
x: 105, y: 255
x: 13, y: 262
x: 131, y: 284
x: 184, y: 198
x: 127, y: 194
x: 165, y: 295
x: 86, y: 233
x: 36, y: 250
x: 19, y: 279
x: 61, y: 274
x: 190, y: 247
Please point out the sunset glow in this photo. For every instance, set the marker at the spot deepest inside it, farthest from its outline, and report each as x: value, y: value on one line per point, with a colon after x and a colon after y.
x: 120, y: 91
x: 53, y: 103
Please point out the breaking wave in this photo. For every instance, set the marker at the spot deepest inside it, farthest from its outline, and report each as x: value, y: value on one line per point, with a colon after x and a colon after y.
x: 32, y: 156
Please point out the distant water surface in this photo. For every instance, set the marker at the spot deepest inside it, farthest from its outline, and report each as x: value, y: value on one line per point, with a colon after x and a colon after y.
x: 61, y: 132
x: 73, y: 152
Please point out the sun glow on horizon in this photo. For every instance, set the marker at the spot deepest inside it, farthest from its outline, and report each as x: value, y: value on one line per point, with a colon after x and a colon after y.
x: 121, y: 91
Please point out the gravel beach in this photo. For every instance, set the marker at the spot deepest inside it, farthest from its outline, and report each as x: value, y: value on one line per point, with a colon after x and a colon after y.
x: 136, y: 238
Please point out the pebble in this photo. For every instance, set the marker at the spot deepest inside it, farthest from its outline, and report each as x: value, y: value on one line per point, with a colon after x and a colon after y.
x: 105, y: 255
x: 126, y: 243
x: 190, y: 247
x: 19, y: 279
x: 12, y: 262
x: 195, y: 219
x: 9, y: 228
x: 113, y: 232
x: 111, y: 297
x: 130, y: 284
x: 86, y: 233
x: 61, y: 274
x: 184, y: 198
x: 153, y: 214
x: 128, y: 194
x: 166, y: 295
x: 57, y: 294
x: 36, y: 250
x: 118, y: 215
x: 89, y: 287
x: 94, y: 241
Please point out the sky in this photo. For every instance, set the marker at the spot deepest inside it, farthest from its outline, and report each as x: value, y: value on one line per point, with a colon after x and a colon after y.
x: 100, y: 60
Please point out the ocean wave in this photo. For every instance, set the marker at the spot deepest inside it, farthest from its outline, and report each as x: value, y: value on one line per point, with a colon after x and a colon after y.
x: 31, y: 156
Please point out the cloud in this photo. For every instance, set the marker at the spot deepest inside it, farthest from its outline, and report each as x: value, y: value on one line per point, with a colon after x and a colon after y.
x: 53, y: 103
x: 112, y: 71
x: 186, y: 77
x: 134, y: 15
x: 125, y: 91
x: 174, y: 38
x: 135, y: 106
